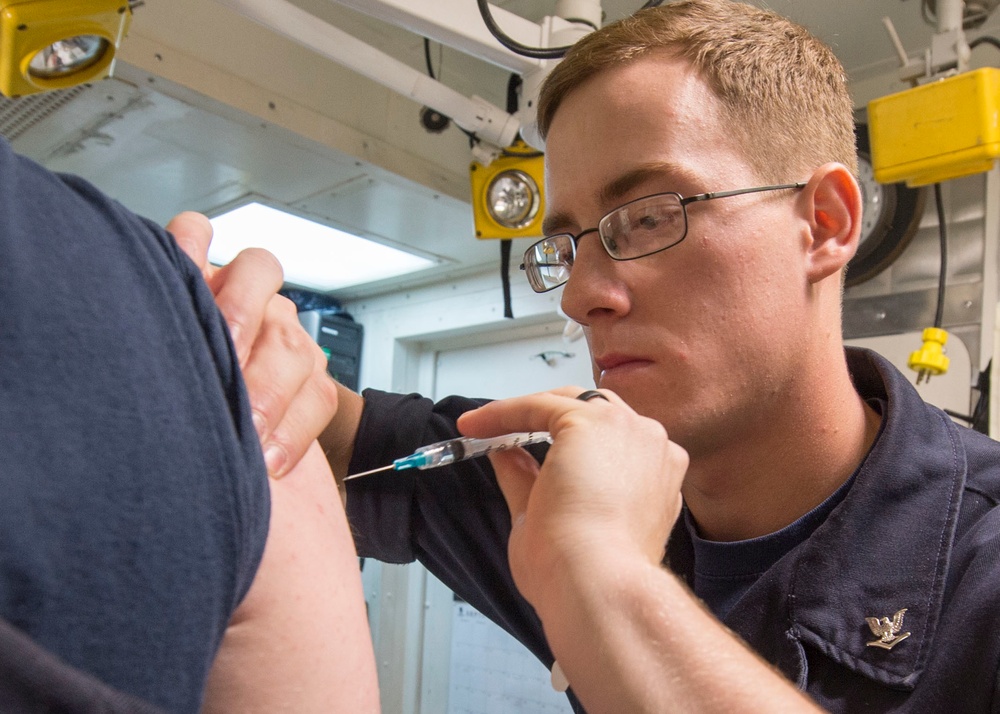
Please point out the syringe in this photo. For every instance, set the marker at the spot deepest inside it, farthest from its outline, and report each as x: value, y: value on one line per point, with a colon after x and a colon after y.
x: 463, y: 448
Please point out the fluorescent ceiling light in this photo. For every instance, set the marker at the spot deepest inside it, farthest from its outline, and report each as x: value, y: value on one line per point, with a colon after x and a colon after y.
x: 312, y: 255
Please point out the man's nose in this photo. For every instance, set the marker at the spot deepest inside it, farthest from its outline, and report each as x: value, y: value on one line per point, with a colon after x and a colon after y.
x: 594, y: 286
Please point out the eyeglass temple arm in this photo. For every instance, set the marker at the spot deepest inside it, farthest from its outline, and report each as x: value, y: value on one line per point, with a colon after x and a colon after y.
x: 740, y: 191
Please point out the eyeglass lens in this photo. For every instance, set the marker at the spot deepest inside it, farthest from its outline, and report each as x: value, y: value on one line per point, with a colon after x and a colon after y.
x: 644, y: 226
x: 647, y: 225
x: 547, y: 263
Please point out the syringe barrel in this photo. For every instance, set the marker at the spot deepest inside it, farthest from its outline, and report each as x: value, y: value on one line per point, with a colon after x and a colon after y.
x: 443, y: 453
x: 463, y: 448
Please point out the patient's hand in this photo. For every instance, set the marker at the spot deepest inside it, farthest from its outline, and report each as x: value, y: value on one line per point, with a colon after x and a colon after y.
x: 291, y: 395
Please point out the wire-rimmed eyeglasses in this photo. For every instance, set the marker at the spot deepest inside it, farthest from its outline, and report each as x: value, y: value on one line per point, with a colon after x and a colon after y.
x: 641, y: 227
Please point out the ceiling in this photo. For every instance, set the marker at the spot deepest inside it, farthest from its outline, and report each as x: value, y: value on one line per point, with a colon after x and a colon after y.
x: 206, y: 108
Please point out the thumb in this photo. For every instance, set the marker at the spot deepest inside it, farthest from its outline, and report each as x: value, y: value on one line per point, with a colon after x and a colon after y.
x: 193, y: 233
x: 516, y: 471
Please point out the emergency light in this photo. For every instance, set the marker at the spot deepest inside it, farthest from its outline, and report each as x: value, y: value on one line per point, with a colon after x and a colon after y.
x: 507, y: 195
x: 55, y: 44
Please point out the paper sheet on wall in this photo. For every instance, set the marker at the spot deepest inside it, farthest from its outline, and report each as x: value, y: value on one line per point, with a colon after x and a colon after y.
x: 492, y: 673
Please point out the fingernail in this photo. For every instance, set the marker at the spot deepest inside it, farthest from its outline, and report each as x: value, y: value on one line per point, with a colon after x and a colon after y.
x: 274, y: 459
x: 259, y: 423
x: 559, y: 681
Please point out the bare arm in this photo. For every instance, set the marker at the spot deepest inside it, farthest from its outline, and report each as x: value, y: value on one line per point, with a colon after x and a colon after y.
x: 337, y: 438
x: 299, y: 641
x: 588, y: 531
x: 631, y: 637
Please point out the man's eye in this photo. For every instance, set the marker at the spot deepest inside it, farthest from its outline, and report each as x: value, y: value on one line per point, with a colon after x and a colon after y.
x: 648, y: 222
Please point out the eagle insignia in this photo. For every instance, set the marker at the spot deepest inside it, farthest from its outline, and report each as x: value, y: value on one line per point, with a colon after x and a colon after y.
x: 887, y: 631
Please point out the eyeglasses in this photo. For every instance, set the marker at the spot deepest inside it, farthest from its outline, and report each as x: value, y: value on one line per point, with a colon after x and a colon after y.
x: 639, y: 228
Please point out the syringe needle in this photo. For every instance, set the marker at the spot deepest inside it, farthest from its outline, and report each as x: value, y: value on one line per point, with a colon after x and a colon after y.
x: 463, y: 448
x: 365, y: 473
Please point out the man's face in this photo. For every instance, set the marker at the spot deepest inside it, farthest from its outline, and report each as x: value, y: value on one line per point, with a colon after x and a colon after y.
x: 696, y: 336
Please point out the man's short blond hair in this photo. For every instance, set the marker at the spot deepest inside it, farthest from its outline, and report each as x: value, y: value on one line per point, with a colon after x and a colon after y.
x: 783, y: 92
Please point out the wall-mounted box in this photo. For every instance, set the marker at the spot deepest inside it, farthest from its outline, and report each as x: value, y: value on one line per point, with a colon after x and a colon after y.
x: 341, y: 338
x: 939, y: 131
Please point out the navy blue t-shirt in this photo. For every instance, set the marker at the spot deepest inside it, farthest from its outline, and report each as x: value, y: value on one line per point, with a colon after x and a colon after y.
x: 134, y: 496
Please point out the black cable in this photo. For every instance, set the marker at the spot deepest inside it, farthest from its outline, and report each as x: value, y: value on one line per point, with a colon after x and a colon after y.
x: 513, y: 45
x: 473, y: 139
x: 522, y: 154
x: 956, y: 415
x: 980, y: 417
x: 505, y: 246
x: 534, y: 52
x: 427, y: 58
x: 942, y: 275
x: 981, y: 412
x: 985, y: 39
x: 513, y: 85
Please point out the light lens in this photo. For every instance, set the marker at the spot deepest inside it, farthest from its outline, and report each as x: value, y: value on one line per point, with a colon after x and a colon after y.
x: 312, y: 255
x: 68, y: 56
x: 512, y: 199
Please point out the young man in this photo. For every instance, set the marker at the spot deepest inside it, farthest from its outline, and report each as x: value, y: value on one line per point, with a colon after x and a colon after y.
x: 842, y: 529
x: 146, y: 560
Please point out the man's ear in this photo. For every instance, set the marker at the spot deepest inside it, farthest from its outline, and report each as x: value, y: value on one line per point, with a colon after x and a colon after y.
x: 834, y: 203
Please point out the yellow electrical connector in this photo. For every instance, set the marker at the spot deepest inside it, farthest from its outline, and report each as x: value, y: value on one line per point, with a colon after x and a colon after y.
x: 930, y: 360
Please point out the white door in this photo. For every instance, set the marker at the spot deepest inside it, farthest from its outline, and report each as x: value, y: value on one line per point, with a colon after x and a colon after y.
x: 470, y: 665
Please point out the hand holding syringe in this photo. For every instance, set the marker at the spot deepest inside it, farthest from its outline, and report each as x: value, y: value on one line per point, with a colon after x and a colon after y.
x: 463, y: 448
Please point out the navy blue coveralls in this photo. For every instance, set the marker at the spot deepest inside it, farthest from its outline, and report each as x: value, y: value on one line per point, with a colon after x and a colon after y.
x: 918, y: 529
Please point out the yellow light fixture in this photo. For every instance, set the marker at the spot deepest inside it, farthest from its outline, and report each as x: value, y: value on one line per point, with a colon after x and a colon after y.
x: 55, y: 44
x: 507, y: 196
